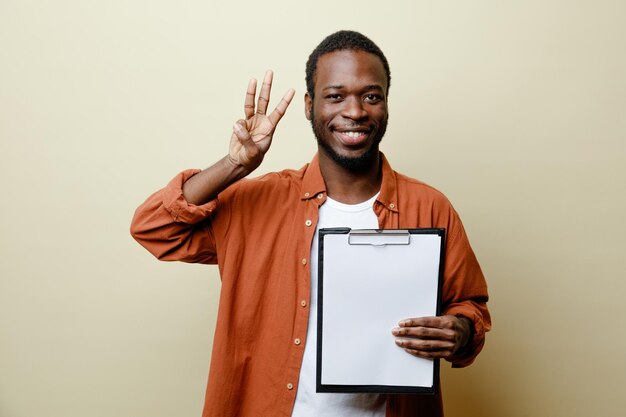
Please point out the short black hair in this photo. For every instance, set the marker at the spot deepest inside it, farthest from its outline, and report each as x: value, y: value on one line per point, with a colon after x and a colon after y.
x: 344, y: 39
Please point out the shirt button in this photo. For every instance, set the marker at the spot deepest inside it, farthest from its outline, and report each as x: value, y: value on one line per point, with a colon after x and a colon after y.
x: 290, y: 386
x: 303, y: 303
x: 306, y: 194
x: 303, y: 261
x: 297, y: 341
x: 392, y: 205
x: 308, y: 223
x: 320, y: 195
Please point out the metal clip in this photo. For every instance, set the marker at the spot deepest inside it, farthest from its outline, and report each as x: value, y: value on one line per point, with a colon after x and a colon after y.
x: 379, y: 237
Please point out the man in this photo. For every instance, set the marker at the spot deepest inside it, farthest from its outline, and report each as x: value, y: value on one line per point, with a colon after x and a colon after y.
x: 262, y: 233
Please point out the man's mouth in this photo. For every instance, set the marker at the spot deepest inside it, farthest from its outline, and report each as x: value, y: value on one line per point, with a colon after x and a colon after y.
x: 352, y: 137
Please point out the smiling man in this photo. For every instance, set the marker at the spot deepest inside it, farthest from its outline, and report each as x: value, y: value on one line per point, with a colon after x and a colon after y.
x: 262, y: 232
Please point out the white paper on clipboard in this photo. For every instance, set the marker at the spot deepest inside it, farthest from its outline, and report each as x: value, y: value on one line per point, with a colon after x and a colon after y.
x: 368, y: 281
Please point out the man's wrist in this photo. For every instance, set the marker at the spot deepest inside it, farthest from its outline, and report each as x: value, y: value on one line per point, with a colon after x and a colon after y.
x: 237, y: 169
x: 468, y: 333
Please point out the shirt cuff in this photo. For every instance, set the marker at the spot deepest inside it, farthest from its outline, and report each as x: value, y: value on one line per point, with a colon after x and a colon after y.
x: 178, y: 207
x: 467, y: 354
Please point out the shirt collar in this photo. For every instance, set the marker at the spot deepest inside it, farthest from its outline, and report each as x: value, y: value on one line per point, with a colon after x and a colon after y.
x: 313, y: 185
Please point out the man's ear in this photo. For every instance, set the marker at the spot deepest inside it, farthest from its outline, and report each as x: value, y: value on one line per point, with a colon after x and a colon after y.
x: 308, y: 106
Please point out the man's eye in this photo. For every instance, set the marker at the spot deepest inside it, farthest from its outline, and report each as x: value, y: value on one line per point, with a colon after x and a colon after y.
x: 333, y: 97
x: 373, y: 98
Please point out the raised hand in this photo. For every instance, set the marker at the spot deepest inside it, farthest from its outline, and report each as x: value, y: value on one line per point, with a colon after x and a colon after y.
x: 249, y: 142
x: 252, y: 137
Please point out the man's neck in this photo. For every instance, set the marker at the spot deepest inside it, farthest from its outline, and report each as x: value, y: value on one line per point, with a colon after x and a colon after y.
x: 347, y: 186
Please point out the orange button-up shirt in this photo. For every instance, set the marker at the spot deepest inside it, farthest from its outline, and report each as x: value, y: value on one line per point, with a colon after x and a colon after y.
x: 259, y: 232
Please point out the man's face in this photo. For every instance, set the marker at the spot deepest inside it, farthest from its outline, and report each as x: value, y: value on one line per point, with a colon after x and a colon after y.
x: 349, y: 112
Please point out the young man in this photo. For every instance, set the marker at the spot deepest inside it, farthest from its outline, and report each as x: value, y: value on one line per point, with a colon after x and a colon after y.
x: 262, y: 233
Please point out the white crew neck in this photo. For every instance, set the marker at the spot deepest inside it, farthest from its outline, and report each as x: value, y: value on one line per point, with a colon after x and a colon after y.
x: 352, y: 208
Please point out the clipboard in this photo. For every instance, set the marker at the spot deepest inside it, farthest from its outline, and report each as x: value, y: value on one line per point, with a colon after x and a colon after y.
x: 368, y: 280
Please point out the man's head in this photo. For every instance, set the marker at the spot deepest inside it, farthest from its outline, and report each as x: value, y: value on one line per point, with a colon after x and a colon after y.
x: 348, y: 81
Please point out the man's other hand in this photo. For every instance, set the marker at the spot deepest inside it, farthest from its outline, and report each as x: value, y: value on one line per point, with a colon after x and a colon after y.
x: 433, y: 337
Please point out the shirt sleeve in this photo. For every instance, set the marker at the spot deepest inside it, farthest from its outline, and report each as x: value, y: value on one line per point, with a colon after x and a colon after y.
x: 465, y: 292
x: 174, y: 230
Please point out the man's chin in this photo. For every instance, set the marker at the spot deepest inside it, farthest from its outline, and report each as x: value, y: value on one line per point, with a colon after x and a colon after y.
x: 357, y: 161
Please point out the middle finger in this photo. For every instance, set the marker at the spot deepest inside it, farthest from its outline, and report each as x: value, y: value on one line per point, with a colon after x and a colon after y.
x: 264, y: 95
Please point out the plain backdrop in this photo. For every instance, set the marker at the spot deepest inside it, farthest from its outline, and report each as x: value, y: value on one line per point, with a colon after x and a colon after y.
x: 516, y: 110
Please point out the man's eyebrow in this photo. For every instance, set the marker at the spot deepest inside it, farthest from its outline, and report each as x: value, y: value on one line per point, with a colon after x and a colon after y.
x: 366, y: 88
x: 333, y: 87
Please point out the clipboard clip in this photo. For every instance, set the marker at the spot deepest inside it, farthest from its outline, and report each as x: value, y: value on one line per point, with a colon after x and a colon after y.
x: 379, y: 237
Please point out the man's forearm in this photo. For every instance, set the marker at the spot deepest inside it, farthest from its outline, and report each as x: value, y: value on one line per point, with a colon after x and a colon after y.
x: 207, y: 184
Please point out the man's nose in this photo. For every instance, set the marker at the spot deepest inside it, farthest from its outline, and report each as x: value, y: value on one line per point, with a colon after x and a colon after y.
x: 354, y: 109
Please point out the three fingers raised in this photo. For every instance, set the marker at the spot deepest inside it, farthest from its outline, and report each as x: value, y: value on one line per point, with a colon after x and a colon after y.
x: 263, y: 100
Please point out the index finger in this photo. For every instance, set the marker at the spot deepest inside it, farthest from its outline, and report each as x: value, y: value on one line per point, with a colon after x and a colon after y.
x: 421, y: 322
x: 281, y: 108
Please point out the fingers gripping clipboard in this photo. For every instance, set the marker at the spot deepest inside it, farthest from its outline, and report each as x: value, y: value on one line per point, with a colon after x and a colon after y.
x: 368, y: 281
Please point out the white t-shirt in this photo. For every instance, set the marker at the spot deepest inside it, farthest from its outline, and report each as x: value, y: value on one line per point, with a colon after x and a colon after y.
x: 309, y: 403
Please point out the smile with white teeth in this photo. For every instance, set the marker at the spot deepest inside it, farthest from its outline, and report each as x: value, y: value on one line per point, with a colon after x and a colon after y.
x: 354, y: 134
x: 352, y: 138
